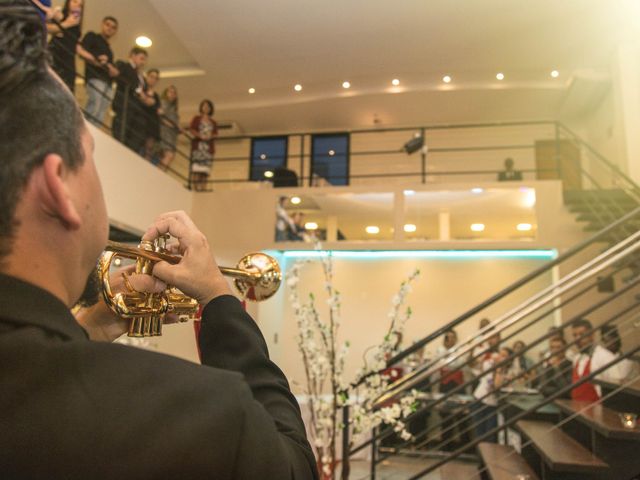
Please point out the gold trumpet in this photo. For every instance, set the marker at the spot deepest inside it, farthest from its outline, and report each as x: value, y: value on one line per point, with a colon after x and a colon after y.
x: 257, y: 277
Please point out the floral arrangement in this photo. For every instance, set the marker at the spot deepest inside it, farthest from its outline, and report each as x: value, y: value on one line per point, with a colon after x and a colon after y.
x: 324, y: 359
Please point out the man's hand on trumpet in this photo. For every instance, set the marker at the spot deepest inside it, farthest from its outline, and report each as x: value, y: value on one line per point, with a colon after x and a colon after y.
x: 197, y: 274
x: 98, y: 320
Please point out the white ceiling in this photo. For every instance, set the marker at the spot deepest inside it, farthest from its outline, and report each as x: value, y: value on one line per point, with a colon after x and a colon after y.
x: 273, y: 45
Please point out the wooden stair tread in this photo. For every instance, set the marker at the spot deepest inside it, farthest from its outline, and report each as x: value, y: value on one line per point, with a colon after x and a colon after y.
x: 559, y: 450
x: 503, y: 462
x: 600, y: 418
x: 459, y: 471
x: 632, y: 388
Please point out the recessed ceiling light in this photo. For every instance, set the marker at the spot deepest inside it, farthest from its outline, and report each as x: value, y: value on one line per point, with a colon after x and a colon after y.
x: 311, y: 226
x: 297, y: 87
x: 268, y: 174
x: 446, y: 79
x: 477, y: 190
x: 477, y: 227
x: 332, y: 153
x: 263, y: 156
x: 144, y: 42
x: 409, y: 192
x: 524, y: 227
x: 296, y: 200
x: 372, y: 229
x: 500, y: 76
x: 555, y: 73
x: 395, y: 82
x: 252, y: 90
x: 410, y: 227
x: 346, y: 85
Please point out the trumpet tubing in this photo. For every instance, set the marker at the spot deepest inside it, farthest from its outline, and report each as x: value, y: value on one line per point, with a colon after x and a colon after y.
x: 257, y: 277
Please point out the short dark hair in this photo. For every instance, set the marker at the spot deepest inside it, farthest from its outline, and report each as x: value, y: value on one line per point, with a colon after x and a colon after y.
x: 137, y: 51
x: 582, y: 322
x: 153, y: 70
x: 38, y: 114
x: 109, y: 17
x: 207, y: 102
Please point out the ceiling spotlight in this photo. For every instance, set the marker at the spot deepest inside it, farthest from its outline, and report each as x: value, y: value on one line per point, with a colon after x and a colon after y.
x: 410, y: 228
x: 500, y: 76
x: 311, y: 226
x: 555, y: 73
x: 395, y: 82
x: 446, y: 79
x: 297, y: 87
x: 477, y: 227
x: 252, y: 90
x: 143, y: 42
x: 372, y: 229
x: 332, y: 153
x: 409, y: 192
x: 296, y: 200
x: 346, y: 85
x: 263, y: 156
x: 268, y: 174
x: 524, y: 227
x: 477, y: 190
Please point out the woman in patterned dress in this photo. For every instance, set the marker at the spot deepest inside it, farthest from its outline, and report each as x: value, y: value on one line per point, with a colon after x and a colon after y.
x: 204, y: 129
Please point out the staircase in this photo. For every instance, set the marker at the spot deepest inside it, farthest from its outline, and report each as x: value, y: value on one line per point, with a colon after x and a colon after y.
x: 536, y: 437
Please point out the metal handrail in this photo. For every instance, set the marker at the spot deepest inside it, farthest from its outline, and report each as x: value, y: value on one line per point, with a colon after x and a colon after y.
x: 547, y: 295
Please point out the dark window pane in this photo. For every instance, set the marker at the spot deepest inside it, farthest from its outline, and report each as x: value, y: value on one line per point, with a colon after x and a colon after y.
x: 330, y: 158
x: 267, y: 154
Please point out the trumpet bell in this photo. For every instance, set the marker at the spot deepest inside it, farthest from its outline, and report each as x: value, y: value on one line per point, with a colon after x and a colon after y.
x: 263, y: 279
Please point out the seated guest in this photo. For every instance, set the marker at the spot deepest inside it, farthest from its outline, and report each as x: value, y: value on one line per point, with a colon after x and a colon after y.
x: 451, y: 377
x: 557, y: 373
x: 522, y: 363
x: 509, y: 173
x: 484, y: 414
x: 593, y: 357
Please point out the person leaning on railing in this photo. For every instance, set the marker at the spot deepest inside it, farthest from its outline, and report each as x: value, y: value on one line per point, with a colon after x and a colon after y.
x: 556, y: 373
x: 99, y: 72
x: 64, y: 44
x: 169, y: 125
x: 127, y: 126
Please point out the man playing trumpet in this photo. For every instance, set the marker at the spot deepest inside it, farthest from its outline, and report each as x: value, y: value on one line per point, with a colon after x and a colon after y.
x: 72, y: 404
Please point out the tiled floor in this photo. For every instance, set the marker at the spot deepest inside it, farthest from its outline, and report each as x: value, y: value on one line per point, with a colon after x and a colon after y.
x: 401, y: 468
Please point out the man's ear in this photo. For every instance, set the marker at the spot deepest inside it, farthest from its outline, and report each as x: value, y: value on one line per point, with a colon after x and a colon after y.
x: 54, y: 192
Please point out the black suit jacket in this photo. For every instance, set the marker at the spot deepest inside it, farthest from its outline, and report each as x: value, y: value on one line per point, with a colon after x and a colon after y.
x: 127, y: 82
x: 76, y: 409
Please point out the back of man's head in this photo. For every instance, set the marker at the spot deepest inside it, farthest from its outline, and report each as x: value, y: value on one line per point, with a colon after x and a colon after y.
x: 38, y: 115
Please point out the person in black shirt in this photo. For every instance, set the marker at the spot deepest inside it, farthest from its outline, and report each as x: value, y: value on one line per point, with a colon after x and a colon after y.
x: 557, y: 373
x: 509, y: 172
x: 99, y: 74
x: 127, y: 103
x: 64, y: 43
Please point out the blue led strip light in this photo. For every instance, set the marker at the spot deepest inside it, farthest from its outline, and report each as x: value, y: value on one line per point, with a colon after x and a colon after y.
x: 366, y: 254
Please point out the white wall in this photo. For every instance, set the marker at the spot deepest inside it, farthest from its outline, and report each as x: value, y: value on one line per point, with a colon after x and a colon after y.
x: 135, y: 191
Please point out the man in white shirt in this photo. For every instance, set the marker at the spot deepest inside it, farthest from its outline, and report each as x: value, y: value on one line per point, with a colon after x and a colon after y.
x: 593, y: 357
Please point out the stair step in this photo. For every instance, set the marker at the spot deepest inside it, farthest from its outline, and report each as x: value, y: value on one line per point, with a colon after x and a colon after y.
x: 601, y: 194
x: 459, y: 471
x: 558, y: 450
x: 503, y: 462
x: 600, y: 418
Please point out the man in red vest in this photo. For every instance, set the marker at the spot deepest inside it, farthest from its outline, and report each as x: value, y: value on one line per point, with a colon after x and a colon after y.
x: 593, y: 357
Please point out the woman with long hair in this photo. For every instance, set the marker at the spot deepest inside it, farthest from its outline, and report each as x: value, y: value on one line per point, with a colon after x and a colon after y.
x: 65, y: 42
x: 204, y: 129
x: 169, y: 125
